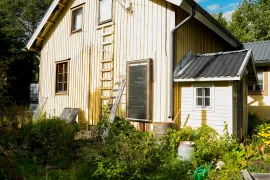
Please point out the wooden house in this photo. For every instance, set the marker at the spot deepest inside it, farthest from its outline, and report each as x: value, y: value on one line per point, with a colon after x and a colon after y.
x: 87, y: 46
x: 259, y: 98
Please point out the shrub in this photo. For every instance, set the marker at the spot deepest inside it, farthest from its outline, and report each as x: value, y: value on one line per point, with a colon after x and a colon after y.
x: 50, y: 140
x: 253, y: 122
x: 263, y: 133
x: 131, y: 154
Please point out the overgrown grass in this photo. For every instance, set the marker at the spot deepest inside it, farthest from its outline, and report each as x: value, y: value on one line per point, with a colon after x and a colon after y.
x: 46, y: 149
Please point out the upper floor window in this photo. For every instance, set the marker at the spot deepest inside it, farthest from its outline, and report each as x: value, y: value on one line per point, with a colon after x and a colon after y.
x: 77, y: 18
x: 61, y: 77
x: 105, y: 11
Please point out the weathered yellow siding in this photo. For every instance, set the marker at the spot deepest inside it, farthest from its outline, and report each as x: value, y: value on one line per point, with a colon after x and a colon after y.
x: 217, y: 116
x: 140, y: 34
x: 196, y: 37
x: 260, y: 103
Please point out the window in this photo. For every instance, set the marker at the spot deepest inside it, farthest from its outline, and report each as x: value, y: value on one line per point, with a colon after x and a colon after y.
x: 203, y: 97
x: 105, y: 11
x: 260, y: 85
x: 76, y: 22
x: 62, y: 78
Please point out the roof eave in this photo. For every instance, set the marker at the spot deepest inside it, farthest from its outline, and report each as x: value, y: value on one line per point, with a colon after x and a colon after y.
x: 236, y: 78
x: 45, y: 19
x: 204, y: 17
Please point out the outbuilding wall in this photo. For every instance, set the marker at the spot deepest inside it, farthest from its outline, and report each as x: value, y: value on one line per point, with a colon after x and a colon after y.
x: 217, y: 116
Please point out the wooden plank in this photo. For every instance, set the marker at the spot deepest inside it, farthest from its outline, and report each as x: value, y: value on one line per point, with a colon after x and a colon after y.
x: 106, y: 70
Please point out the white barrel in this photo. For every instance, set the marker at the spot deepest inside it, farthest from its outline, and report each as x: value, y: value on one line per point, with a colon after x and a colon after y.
x: 185, y: 150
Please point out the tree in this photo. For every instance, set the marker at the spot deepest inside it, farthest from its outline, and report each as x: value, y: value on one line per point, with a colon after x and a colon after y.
x: 18, y: 21
x: 219, y: 17
x: 251, y: 21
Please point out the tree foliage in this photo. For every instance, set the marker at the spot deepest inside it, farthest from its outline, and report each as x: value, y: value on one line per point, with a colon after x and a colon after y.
x: 250, y: 21
x: 18, y: 20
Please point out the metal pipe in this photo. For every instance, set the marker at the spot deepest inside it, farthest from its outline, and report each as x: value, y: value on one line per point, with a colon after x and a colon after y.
x: 172, y: 59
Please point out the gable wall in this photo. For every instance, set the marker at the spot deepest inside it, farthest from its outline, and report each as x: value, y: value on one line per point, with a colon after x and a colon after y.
x: 142, y: 34
x: 196, y: 37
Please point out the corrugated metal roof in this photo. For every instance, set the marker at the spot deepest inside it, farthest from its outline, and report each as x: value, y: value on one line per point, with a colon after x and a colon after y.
x: 223, y: 64
x: 261, y: 50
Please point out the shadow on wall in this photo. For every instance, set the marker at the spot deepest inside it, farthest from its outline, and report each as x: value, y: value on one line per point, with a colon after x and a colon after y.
x: 257, y: 104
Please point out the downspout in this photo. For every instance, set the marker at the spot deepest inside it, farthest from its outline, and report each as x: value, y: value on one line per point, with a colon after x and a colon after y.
x: 171, y: 77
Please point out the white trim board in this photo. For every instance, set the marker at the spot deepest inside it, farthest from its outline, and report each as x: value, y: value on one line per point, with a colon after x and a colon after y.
x: 209, y: 79
x: 185, y: 5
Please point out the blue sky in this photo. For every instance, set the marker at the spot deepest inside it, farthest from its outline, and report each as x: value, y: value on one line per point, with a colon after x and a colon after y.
x: 214, y: 6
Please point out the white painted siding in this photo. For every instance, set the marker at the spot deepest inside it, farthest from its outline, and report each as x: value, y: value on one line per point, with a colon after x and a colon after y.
x: 215, y: 117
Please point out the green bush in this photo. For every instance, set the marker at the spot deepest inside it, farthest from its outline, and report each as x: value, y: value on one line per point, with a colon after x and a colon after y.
x: 253, y: 122
x: 50, y: 140
x: 131, y: 154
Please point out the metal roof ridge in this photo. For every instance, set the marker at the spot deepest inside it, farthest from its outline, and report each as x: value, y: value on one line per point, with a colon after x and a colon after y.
x: 221, y: 53
x: 257, y: 42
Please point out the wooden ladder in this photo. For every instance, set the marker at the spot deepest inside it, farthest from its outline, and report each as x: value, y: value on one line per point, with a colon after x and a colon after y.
x: 107, y: 64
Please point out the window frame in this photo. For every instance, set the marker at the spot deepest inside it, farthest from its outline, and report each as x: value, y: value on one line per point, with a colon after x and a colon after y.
x: 106, y: 21
x: 265, y: 84
x: 56, y: 77
x: 211, y: 97
x: 71, y: 17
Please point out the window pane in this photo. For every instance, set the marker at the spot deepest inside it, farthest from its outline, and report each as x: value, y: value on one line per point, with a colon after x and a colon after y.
x: 66, y: 67
x: 198, y: 101
x: 77, y: 19
x: 65, y: 86
x: 60, y: 87
x: 105, y: 10
x: 259, y: 87
x: 60, y: 78
x: 199, y: 92
x: 207, y: 91
x: 207, y: 102
x: 65, y: 79
x: 60, y: 68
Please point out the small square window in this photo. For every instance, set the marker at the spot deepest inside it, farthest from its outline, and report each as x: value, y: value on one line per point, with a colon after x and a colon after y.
x: 203, y: 97
x: 61, y: 78
x: 76, y: 23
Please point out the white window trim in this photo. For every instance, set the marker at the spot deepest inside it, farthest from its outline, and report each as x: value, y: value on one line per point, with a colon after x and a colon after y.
x: 212, y: 95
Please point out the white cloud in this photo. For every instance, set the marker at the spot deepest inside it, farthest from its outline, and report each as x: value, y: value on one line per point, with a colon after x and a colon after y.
x: 213, y: 7
x: 228, y: 15
x: 232, y: 5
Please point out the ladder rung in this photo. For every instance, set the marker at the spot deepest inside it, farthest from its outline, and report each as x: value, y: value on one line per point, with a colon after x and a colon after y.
x: 106, y: 70
x: 106, y: 79
x: 106, y: 88
x: 107, y: 33
x: 112, y: 97
x: 115, y: 89
x: 104, y: 97
x: 106, y: 43
x: 107, y: 61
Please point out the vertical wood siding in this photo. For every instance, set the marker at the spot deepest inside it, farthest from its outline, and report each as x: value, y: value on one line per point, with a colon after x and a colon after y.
x: 142, y: 34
